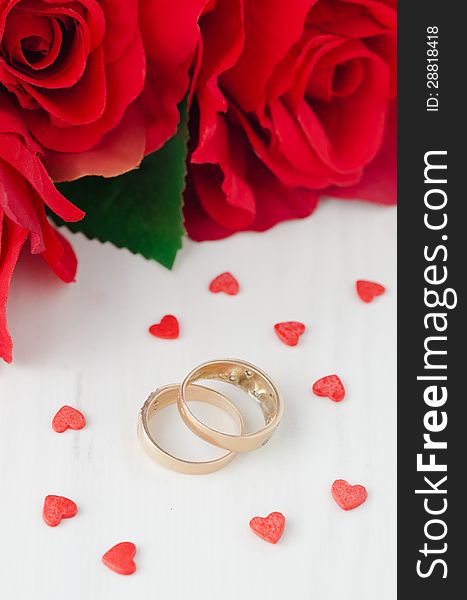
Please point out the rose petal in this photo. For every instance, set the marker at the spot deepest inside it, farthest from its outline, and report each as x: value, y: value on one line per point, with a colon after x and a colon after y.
x: 12, y: 238
x: 272, y: 26
x: 170, y: 30
x: 217, y: 54
x: 121, y: 22
x: 64, y: 263
x: 223, y: 189
x: 82, y: 103
x: 274, y: 203
x: 17, y: 204
x: 160, y: 109
x: 170, y: 37
x: 12, y: 122
x: 119, y: 151
x: 30, y: 167
x: 379, y: 180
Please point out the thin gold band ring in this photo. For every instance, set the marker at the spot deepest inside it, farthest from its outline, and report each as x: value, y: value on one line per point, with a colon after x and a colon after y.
x: 167, y: 395
x: 250, y: 379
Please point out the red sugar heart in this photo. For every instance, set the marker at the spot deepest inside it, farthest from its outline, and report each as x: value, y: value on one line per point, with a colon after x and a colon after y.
x: 329, y: 387
x: 289, y: 332
x: 269, y: 528
x: 57, y: 508
x: 348, y: 496
x: 120, y: 558
x: 68, y: 418
x: 167, y: 329
x: 225, y: 282
x: 368, y: 290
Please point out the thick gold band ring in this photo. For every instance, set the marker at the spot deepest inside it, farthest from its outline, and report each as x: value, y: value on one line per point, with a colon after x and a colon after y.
x: 168, y: 394
x: 250, y: 379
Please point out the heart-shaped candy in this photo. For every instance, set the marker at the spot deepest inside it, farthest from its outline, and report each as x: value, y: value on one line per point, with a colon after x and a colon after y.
x: 68, y: 418
x: 348, y: 496
x: 167, y: 329
x: 57, y: 508
x: 120, y: 558
x: 269, y: 528
x: 368, y: 290
x: 329, y: 387
x: 225, y: 282
x: 289, y: 332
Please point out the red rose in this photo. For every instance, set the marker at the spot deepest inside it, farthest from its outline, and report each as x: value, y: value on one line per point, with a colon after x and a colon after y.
x: 294, y: 102
x: 25, y: 188
x: 97, y: 81
x: 87, y: 87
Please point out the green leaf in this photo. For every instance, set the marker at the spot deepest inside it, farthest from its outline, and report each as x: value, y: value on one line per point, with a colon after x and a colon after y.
x: 140, y: 210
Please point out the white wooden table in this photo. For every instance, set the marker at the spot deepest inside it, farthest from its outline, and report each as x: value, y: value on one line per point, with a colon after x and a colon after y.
x: 87, y: 345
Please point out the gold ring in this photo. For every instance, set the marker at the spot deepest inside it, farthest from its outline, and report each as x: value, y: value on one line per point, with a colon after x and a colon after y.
x: 251, y: 380
x: 168, y: 394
